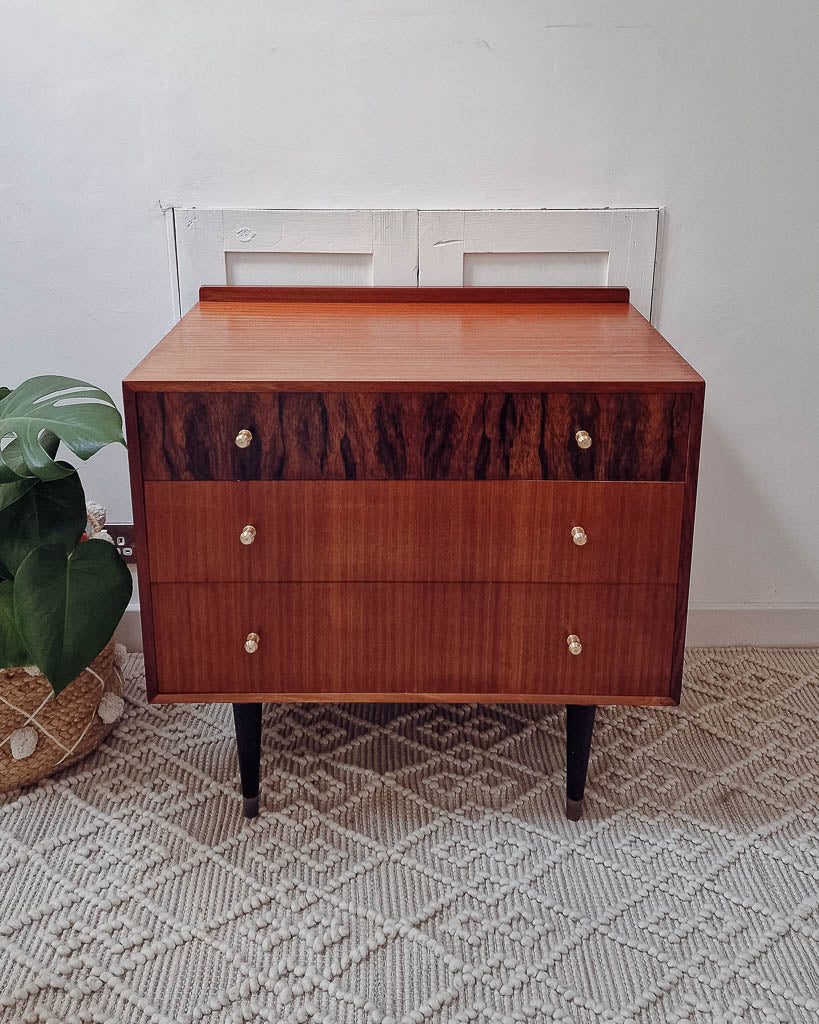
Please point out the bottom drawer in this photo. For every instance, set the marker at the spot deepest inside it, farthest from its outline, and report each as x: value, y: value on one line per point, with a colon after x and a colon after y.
x: 360, y: 641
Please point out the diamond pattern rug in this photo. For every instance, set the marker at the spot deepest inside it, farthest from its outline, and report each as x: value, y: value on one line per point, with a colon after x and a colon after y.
x: 412, y: 863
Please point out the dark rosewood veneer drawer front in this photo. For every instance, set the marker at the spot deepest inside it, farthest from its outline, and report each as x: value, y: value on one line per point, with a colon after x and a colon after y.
x: 412, y: 436
x: 415, y: 530
x: 412, y: 638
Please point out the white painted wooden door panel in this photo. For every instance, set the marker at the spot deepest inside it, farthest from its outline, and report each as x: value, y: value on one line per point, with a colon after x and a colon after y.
x: 408, y: 247
x: 294, y: 247
x: 540, y: 247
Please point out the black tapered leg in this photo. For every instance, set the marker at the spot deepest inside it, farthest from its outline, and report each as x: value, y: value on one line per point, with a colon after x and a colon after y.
x: 247, y: 719
x: 579, y: 726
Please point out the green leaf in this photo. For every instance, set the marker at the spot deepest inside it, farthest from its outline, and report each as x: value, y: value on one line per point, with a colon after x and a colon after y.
x: 50, y: 512
x: 13, y: 652
x: 4, y: 392
x: 15, y: 465
x: 11, y: 492
x: 83, y: 416
x: 67, y: 609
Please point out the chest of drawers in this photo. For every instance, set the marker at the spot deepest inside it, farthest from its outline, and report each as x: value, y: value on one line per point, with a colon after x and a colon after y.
x: 414, y: 494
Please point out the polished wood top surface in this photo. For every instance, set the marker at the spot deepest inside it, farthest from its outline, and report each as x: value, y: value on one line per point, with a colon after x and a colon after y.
x: 413, y: 340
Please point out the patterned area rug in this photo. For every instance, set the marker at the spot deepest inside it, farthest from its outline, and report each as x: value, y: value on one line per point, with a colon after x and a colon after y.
x: 412, y: 863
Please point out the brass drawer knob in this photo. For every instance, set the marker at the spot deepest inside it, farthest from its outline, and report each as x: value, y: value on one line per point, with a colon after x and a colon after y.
x: 248, y: 535
x: 243, y: 438
x: 252, y: 643
x: 583, y: 438
x: 575, y: 647
x: 579, y: 536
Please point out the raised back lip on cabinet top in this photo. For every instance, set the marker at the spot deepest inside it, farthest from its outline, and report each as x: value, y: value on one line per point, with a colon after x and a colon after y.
x: 413, y: 339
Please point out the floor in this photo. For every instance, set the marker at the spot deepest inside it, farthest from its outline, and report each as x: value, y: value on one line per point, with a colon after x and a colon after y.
x: 412, y: 863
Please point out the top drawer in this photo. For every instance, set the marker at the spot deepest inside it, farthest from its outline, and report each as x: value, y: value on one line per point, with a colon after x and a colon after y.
x: 412, y: 436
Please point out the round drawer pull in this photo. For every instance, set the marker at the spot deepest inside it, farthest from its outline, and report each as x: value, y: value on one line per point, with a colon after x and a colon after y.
x: 583, y: 438
x: 575, y: 647
x: 248, y: 535
x: 252, y: 643
x: 243, y: 438
x: 579, y: 535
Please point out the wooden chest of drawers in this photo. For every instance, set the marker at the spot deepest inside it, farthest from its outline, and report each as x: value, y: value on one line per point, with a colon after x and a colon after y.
x: 420, y: 494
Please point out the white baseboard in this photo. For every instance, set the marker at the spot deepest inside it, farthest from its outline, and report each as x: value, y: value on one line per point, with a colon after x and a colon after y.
x: 129, y: 630
x: 760, y: 625
x: 708, y: 626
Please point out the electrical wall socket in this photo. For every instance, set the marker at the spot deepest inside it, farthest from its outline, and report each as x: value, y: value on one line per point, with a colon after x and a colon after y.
x: 124, y: 538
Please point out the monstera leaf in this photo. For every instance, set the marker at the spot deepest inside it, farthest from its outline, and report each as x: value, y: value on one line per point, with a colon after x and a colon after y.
x: 13, y: 651
x: 67, y: 608
x: 11, y: 492
x: 49, y: 512
x: 13, y: 465
x: 43, y: 409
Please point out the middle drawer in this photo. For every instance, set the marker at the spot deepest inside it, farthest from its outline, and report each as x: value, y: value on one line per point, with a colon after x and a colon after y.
x: 414, y: 531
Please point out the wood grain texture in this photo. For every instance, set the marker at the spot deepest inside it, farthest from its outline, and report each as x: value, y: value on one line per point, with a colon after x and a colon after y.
x: 415, y: 344
x: 392, y: 560
x: 141, y: 537
x: 412, y: 436
x: 686, y: 541
x: 370, y: 696
x: 412, y: 295
x: 343, y: 638
x: 414, y: 531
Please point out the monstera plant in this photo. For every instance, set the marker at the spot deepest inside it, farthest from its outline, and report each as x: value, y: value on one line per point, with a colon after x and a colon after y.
x: 61, y: 596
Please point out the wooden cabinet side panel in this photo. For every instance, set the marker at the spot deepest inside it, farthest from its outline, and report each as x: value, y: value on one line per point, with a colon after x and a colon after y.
x: 132, y: 433
x: 686, y: 541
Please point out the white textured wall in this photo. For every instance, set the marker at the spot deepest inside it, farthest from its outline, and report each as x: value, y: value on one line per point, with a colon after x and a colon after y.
x: 708, y: 109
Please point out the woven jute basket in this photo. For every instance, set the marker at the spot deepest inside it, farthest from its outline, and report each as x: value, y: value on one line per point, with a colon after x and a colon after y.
x: 61, y: 730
